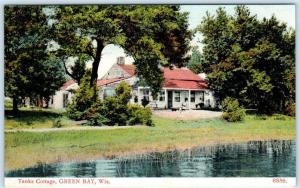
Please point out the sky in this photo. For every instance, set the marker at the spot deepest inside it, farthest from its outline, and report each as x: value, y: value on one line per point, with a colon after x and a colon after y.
x: 284, y: 13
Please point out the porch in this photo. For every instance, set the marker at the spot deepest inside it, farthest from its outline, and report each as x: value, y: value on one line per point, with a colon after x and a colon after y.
x: 170, y: 98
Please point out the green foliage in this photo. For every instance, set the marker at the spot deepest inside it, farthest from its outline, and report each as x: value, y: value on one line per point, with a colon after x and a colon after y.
x: 57, y: 123
x: 139, y: 115
x: 123, y: 92
x: 261, y: 117
x: 291, y: 108
x: 97, y: 120
x: 249, y: 59
x: 232, y: 112
x: 8, y: 104
x: 83, y: 99
x: 153, y: 35
x: 116, y: 110
x: 30, y: 71
x: 280, y: 117
x: 79, y: 67
x: 195, y: 63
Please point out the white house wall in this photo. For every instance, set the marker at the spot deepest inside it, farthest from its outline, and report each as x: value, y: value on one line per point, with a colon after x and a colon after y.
x: 115, y: 72
x: 58, y: 99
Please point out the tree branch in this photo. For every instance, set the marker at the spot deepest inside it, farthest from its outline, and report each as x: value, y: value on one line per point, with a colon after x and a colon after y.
x: 66, y: 69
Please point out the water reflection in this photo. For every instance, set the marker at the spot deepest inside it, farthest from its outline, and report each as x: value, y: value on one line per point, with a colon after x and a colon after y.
x: 252, y: 159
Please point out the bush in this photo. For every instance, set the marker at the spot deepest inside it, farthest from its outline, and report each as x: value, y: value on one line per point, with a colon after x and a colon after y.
x: 111, y: 111
x: 232, y: 112
x: 97, y: 120
x: 139, y: 115
x: 114, y: 110
x: 73, y: 113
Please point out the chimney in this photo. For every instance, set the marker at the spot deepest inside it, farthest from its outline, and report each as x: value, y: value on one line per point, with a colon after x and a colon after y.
x: 121, y: 60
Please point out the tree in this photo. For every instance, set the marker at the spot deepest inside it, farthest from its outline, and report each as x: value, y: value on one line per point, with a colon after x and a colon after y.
x: 83, y: 98
x: 195, y: 63
x: 30, y: 71
x: 159, y: 33
x: 248, y: 59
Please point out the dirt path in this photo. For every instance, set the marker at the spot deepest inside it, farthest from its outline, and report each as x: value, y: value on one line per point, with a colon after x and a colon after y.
x: 79, y: 128
x: 188, y: 114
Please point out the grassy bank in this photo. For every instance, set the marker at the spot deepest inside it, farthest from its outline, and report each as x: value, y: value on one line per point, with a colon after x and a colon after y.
x: 35, y: 118
x: 23, y: 149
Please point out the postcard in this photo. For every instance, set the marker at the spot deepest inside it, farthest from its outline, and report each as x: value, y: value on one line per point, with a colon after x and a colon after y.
x: 149, y: 95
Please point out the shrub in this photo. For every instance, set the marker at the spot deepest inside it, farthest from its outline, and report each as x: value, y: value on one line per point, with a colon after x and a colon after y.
x: 232, y: 112
x: 139, y: 115
x: 73, y: 113
x: 123, y: 92
x: 83, y: 99
x: 97, y: 120
x: 114, y: 110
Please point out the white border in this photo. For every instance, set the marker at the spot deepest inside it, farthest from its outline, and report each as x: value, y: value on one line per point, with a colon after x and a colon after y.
x: 154, y: 182
x: 150, y: 182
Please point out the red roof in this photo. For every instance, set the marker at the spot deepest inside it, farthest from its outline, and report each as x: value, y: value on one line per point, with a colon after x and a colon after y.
x: 184, y: 84
x: 176, y: 78
x: 130, y: 69
x: 181, y: 74
x: 99, y: 82
x: 182, y: 79
x: 67, y: 84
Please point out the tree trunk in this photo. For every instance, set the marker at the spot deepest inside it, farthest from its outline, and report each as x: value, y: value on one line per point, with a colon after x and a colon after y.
x: 94, y: 76
x: 15, y: 105
x: 40, y: 102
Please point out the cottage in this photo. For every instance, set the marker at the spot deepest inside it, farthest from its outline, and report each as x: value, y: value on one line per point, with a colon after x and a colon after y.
x: 182, y: 89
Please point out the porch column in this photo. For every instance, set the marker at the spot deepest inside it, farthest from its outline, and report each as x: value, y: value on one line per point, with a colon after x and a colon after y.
x: 138, y: 95
x: 166, y: 98
x: 189, y: 99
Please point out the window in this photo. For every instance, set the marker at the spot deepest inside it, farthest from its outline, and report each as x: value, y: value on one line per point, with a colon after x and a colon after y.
x: 201, y: 97
x: 193, y: 94
x: 177, y: 96
x: 65, y: 99
x: 161, y: 95
x: 109, y: 92
x: 145, y: 92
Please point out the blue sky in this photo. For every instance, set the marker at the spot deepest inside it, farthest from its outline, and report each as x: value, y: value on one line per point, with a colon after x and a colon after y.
x: 284, y: 13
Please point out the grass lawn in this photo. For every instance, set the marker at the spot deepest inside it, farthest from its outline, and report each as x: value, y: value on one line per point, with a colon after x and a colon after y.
x: 35, y: 118
x: 24, y: 149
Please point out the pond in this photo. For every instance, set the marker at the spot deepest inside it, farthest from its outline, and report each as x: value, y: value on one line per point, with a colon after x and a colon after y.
x: 275, y: 158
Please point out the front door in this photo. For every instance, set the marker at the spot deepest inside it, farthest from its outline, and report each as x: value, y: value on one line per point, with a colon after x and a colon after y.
x: 170, y: 99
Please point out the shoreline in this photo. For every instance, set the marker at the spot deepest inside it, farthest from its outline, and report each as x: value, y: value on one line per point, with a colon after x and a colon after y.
x: 143, y: 152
